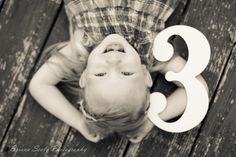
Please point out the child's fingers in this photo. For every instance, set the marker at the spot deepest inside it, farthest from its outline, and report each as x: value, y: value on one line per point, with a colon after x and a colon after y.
x: 143, y: 131
x: 136, y: 139
x: 93, y: 137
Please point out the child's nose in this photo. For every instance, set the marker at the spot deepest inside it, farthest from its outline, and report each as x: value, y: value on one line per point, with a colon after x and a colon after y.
x: 113, y: 60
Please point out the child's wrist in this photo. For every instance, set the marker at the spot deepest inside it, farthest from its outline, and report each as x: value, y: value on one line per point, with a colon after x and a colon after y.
x: 77, y: 121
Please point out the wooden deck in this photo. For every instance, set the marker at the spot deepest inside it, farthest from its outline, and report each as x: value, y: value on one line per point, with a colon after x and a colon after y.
x: 26, y: 129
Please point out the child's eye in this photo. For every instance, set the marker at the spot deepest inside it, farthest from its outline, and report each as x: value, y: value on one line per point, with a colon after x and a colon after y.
x: 107, y: 50
x: 100, y: 74
x: 127, y: 73
x: 111, y: 49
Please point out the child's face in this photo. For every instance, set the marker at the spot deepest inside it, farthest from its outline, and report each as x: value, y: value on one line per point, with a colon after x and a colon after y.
x: 115, y: 78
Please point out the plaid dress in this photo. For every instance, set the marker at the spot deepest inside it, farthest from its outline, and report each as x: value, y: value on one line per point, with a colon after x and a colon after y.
x: 136, y: 20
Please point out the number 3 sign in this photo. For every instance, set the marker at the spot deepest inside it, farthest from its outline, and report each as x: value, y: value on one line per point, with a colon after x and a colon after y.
x: 197, y: 96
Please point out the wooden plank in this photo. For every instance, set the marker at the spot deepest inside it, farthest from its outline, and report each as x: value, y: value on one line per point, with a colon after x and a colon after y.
x: 33, y: 132
x: 33, y: 128
x: 1, y: 4
x: 41, y: 134
x: 24, y: 26
x: 214, y: 19
x: 218, y: 134
x: 75, y: 145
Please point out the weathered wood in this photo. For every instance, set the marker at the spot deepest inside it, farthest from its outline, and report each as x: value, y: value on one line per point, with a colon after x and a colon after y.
x: 41, y: 134
x: 33, y: 132
x: 24, y: 26
x: 1, y: 3
x: 33, y: 128
x: 214, y: 19
x: 218, y: 134
x: 113, y: 146
x: 36, y: 130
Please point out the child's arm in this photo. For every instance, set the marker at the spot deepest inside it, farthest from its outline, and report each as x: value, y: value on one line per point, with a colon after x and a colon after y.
x: 177, y: 101
x: 43, y: 89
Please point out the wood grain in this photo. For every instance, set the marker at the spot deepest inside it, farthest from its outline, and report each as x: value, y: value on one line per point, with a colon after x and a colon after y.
x: 1, y: 4
x: 218, y: 134
x: 214, y: 19
x: 23, y: 29
x: 41, y: 134
x: 113, y: 146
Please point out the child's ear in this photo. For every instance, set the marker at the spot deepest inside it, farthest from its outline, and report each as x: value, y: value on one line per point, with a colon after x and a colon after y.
x: 148, y: 77
x: 82, y: 80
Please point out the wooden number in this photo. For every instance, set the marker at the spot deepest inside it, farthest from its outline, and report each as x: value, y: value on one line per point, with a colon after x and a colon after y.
x: 197, y: 95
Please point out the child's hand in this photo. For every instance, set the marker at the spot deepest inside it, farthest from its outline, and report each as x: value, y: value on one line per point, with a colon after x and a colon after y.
x: 87, y: 132
x: 142, y: 132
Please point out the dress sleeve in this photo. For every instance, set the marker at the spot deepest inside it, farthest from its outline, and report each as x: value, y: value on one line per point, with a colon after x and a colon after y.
x: 168, y: 8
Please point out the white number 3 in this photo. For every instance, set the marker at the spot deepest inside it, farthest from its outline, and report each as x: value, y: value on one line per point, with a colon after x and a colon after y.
x: 197, y: 96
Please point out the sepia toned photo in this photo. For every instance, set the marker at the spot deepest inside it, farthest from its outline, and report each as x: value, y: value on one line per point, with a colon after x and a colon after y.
x: 117, y: 78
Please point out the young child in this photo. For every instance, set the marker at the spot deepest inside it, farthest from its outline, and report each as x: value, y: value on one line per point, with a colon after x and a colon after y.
x: 107, y: 61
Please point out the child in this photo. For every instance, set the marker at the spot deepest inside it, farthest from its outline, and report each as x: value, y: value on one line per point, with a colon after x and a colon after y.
x: 109, y: 58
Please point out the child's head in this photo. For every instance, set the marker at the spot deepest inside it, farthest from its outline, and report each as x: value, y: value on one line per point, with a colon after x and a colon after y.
x: 115, y: 82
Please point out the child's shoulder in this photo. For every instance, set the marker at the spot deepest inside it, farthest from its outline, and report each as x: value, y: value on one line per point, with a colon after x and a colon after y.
x: 67, y: 61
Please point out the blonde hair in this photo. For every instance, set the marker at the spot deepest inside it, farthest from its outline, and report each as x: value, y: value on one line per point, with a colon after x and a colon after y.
x: 120, y: 121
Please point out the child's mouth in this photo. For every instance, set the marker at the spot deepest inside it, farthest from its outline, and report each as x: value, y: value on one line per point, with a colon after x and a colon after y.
x: 114, y: 47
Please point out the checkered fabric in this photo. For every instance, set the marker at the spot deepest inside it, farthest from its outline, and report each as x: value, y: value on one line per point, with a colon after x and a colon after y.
x: 136, y: 20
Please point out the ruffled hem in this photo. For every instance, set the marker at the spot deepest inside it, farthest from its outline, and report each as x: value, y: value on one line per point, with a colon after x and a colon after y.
x: 154, y: 8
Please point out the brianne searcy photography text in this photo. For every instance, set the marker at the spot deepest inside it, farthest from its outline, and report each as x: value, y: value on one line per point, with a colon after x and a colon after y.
x: 38, y: 148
